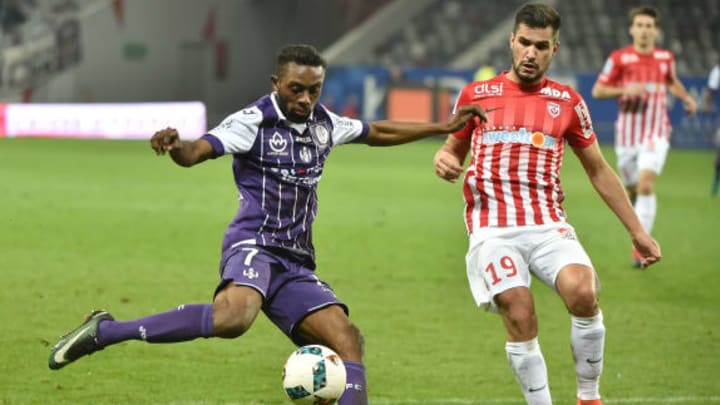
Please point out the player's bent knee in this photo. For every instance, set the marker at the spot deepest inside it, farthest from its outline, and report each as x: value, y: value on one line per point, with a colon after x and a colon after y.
x: 349, y: 343
x: 583, y: 302
x: 234, y: 311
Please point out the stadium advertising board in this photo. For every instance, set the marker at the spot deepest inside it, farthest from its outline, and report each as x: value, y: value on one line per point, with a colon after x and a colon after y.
x: 101, y: 120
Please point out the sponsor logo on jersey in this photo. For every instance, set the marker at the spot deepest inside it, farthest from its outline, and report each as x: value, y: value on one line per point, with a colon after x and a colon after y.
x: 550, y: 92
x: 488, y: 89
x: 307, y: 176
x: 627, y: 58
x: 553, y: 109
x: 584, y: 116
x: 278, y: 144
x: 522, y: 135
x: 305, y: 154
x: 303, y: 139
x: 662, y: 55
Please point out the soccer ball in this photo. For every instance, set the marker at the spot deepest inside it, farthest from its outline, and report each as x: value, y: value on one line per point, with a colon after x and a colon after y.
x: 314, y: 375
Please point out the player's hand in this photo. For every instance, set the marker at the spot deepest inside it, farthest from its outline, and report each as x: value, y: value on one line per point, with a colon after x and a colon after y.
x: 463, y: 115
x: 690, y: 106
x: 165, y: 140
x: 648, y: 248
x: 634, y: 90
x: 447, y: 166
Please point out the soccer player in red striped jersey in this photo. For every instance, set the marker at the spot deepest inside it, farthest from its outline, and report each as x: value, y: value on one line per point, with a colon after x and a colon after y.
x: 513, y: 205
x: 639, y: 76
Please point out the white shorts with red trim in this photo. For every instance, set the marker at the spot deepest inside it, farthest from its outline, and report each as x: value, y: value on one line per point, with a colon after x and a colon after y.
x: 631, y: 160
x: 499, y: 259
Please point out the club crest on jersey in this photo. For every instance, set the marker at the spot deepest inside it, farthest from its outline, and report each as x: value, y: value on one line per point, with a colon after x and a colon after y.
x: 278, y: 144
x: 320, y: 134
x: 553, y: 109
x: 305, y: 154
x: 251, y: 273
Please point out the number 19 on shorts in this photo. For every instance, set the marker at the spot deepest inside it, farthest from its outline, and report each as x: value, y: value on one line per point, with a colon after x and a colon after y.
x: 504, y: 268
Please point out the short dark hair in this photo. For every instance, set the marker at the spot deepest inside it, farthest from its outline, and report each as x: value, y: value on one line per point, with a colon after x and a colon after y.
x: 644, y: 10
x: 538, y: 15
x: 300, y: 54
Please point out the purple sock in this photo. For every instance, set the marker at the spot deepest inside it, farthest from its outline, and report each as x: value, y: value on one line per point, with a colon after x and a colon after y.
x: 355, y: 390
x: 185, y: 322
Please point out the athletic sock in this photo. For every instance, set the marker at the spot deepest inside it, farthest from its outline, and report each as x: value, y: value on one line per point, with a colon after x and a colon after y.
x: 645, y: 208
x: 528, y: 365
x: 587, y: 337
x: 355, y: 389
x: 185, y: 322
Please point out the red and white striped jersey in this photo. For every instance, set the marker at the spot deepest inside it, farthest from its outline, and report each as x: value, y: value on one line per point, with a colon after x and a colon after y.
x: 644, y: 118
x: 514, y: 175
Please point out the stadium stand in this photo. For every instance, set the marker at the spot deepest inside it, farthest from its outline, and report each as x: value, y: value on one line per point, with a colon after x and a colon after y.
x: 39, y: 40
x: 591, y: 29
x: 441, y: 32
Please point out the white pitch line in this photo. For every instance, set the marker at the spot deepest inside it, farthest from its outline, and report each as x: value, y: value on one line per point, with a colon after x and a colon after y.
x: 479, y: 401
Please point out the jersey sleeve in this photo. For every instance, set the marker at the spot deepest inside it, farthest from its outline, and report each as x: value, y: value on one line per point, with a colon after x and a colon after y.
x: 346, y: 130
x: 236, y: 133
x: 714, y: 78
x: 580, y: 133
x: 464, y: 99
x: 672, y: 72
x: 610, y: 74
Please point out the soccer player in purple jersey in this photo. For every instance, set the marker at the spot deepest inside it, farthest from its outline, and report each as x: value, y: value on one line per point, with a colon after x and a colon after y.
x: 279, y: 145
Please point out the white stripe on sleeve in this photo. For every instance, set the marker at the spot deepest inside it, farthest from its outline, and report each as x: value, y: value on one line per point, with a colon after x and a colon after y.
x: 238, y: 131
x: 344, y: 129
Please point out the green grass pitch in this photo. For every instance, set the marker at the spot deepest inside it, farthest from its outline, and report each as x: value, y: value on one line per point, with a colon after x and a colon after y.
x: 106, y: 224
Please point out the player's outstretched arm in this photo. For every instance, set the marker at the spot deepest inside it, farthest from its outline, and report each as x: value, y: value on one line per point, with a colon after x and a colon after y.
x: 677, y: 89
x: 605, y: 91
x: 449, y: 158
x: 388, y: 133
x: 184, y: 153
x: 610, y: 188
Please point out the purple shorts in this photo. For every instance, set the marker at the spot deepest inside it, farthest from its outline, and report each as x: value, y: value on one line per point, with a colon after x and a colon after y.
x: 290, y: 288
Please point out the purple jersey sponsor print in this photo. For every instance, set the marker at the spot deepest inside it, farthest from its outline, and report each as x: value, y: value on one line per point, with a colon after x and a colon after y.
x: 277, y: 165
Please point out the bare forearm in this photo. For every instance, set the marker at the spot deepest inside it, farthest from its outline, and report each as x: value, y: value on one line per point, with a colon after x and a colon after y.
x: 678, y: 90
x: 608, y: 185
x: 189, y: 153
x: 602, y: 91
x: 388, y: 133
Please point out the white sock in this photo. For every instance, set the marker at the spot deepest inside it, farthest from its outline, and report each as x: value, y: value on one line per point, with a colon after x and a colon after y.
x: 645, y: 208
x: 528, y: 365
x: 587, y: 337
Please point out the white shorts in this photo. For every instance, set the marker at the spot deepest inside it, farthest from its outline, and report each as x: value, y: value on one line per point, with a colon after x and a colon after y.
x: 648, y: 156
x: 499, y: 259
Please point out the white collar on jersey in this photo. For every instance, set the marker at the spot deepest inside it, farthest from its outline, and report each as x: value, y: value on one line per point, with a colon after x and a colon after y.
x: 300, y: 127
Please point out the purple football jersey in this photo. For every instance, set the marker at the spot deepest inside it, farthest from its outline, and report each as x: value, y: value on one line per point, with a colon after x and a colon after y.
x: 277, y: 165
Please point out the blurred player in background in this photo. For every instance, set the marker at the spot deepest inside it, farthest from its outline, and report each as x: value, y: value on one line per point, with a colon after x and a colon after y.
x: 513, y: 213
x: 639, y: 76
x: 713, y: 84
x: 279, y: 145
